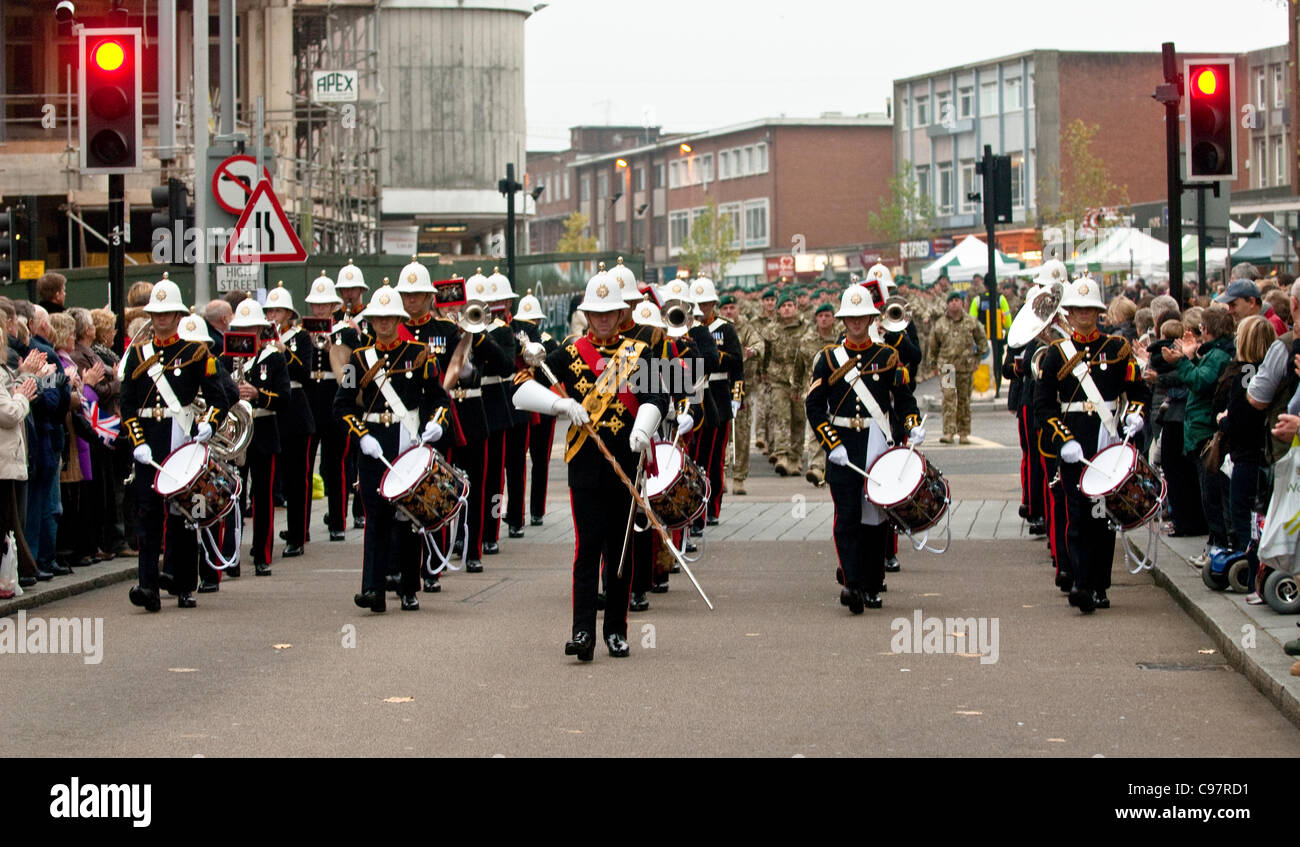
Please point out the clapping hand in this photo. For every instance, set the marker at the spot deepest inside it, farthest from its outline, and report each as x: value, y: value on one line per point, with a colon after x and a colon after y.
x: 94, y: 375
x: 32, y: 362
x: 27, y: 388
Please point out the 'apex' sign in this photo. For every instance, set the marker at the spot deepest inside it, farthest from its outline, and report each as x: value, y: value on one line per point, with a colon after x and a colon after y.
x: 334, y: 86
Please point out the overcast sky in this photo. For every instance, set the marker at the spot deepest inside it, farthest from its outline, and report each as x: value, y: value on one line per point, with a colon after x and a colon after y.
x: 691, y: 65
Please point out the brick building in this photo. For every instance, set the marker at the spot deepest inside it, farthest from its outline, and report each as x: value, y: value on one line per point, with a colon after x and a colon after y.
x: 789, y: 186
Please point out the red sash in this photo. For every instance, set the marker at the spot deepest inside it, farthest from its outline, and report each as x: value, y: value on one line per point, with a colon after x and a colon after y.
x: 591, y: 357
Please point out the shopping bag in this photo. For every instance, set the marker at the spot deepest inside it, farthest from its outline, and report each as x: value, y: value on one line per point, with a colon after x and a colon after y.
x: 9, y: 586
x: 1277, y: 542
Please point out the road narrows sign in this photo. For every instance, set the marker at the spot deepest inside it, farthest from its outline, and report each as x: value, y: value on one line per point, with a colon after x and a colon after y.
x: 262, y: 233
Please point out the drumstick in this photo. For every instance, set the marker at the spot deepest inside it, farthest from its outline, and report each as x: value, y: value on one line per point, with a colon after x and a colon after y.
x: 865, y: 475
x: 911, y: 449
x: 1098, y: 469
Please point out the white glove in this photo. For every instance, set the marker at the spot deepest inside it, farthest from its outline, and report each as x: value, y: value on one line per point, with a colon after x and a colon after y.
x: 1071, y: 452
x: 432, y: 432
x: 370, y: 447
x: 685, y: 423
x: 143, y: 454
x: 572, y: 410
x: 204, y: 432
x: 735, y: 408
x: 1133, y: 425
x: 645, y: 426
x: 839, y: 456
x: 916, y: 436
x: 534, y: 353
x: 638, y: 441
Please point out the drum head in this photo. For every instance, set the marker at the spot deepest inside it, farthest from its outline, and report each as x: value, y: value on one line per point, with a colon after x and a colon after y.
x: 1108, y: 471
x: 895, y: 476
x: 670, y: 460
x: 181, y: 468
x: 407, y: 471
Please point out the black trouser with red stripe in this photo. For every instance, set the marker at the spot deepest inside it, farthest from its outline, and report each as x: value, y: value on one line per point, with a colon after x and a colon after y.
x: 472, y: 459
x: 1057, y: 524
x: 351, y: 453
x: 1031, y: 468
x: 163, y: 534
x: 261, y: 476
x: 493, y: 482
x: 330, y: 443
x: 387, y: 539
x: 861, y: 547
x: 709, y: 450
x: 1089, y: 536
x: 516, y: 472
x: 295, y: 466
x: 540, y: 436
x: 599, y: 522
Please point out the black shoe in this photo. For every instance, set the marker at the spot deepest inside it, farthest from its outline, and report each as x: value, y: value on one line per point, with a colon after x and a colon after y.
x: 600, y: 601
x: 43, y: 575
x: 844, y: 596
x: 206, y: 587
x: 1024, y: 510
x: 617, y: 645
x: 874, y: 601
x: 581, y: 645
x: 691, y: 547
x: 338, y: 536
x: 639, y: 602
x: 262, y: 568
x: 166, y: 584
x: 535, y: 521
x: 232, y: 572
x: 86, y: 561
x: 1065, y: 581
x: 26, y: 581
x: 883, y: 588
x: 284, y: 535
x: 358, y: 523
x: 291, y: 551
x: 57, y: 569
x: 280, y: 502
x: 432, y: 585
x: 659, y: 588
x: 516, y: 531
x: 675, y: 568
x: 1100, y: 600
x: 711, y: 522
x: 855, y: 603
x: 892, y: 565
x: 839, y: 576
x: 410, y: 603
x: 1038, y: 526
x: 186, y: 601
x: 393, y: 583
x: 372, y: 600
x: 697, y: 531
x: 1082, y: 600
x: 145, y: 598
x: 491, y: 548
x: 474, y: 566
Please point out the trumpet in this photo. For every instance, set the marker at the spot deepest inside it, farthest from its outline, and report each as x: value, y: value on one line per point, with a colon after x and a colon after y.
x: 474, y: 318
x: 895, y: 315
x: 677, y: 315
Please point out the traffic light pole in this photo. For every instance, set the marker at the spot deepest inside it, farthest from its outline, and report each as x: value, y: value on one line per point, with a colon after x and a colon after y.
x: 990, y: 188
x: 1170, y: 95
x: 510, y: 223
x: 117, y: 254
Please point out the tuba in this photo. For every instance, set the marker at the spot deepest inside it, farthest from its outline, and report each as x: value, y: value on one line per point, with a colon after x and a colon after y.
x: 230, y: 440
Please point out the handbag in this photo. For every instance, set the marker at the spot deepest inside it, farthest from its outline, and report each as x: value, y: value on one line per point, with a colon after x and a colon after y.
x: 1277, y: 540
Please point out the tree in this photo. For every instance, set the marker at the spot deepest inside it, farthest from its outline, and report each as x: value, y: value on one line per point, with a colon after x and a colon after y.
x: 1083, y: 177
x: 908, y: 214
x: 708, y: 245
x: 574, y: 240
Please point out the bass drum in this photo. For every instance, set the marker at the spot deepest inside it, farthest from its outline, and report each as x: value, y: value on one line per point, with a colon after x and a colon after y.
x: 680, y: 490
x: 424, y: 487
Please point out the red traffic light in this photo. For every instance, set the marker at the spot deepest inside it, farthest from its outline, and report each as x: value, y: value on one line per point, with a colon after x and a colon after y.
x: 1206, y: 82
x: 109, y: 55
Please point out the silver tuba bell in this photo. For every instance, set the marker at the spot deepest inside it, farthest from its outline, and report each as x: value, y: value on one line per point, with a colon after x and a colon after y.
x: 230, y: 441
x: 895, y: 314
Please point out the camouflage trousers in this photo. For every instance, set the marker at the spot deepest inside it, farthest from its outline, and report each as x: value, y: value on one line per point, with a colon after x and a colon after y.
x: 816, y: 455
x: 788, y: 421
x: 741, y: 426
x: 957, y: 388
x: 762, y: 412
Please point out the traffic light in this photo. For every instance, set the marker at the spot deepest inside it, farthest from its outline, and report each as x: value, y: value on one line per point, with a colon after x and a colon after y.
x: 108, y: 99
x: 171, y: 207
x: 8, y: 255
x: 1002, y: 189
x: 1211, y: 120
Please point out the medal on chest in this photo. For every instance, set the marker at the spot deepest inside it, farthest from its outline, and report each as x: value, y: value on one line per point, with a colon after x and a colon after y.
x: 262, y: 374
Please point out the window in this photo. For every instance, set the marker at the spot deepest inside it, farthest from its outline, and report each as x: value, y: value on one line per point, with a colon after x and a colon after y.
x: 756, y: 223
x: 638, y: 179
x: 679, y: 226
x: 1029, y: 92
x: 965, y: 102
x: 674, y: 174
x: 1259, y: 166
x: 1011, y: 95
x: 905, y: 114
x: 923, y: 111
x: 943, y: 113
x: 731, y: 212
x: 923, y: 181
x: 724, y: 165
x: 1261, y: 93
x: 567, y: 181
x: 1017, y: 180
x: 602, y: 186
x: 944, y: 200
x: 586, y: 189
x: 659, y: 178
x: 706, y: 167
x: 696, y: 214
x: 1279, y: 160
x: 967, y: 186
x: 746, y: 159
x: 988, y: 99
x: 659, y: 230
x: 760, y: 157
x: 1278, y: 88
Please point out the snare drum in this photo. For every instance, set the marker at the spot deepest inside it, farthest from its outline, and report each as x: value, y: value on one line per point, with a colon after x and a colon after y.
x: 196, y: 485
x: 680, y: 490
x: 425, y: 487
x: 910, y: 490
x: 1132, y: 490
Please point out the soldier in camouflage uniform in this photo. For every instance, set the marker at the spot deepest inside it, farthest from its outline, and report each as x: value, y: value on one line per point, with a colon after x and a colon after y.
x: 822, y: 333
x: 762, y: 397
x: 786, y: 367
x: 957, y: 344
x: 752, y: 348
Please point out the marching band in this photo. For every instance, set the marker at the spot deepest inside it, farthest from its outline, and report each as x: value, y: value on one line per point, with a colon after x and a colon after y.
x: 428, y: 404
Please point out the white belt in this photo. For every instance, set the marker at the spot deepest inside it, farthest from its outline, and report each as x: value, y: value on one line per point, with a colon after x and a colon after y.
x: 385, y: 418
x: 1088, y: 406
x: 157, y: 413
x: 717, y: 377
x: 293, y: 384
x: 261, y: 413
x: 857, y: 423
x: 463, y: 393
x: 490, y: 380
x: 319, y: 375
